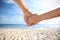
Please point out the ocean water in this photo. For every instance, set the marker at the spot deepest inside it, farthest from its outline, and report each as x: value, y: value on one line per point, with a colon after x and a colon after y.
x: 25, y: 26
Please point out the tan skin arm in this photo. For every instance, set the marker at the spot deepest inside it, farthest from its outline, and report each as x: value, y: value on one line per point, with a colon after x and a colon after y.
x: 37, y: 18
x: 33, y: 19
x: 24, y: 8
x: 51, y: 14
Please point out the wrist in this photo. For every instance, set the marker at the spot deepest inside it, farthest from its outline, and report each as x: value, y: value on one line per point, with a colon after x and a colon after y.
x: 40, y: 17
x: 27, y: 12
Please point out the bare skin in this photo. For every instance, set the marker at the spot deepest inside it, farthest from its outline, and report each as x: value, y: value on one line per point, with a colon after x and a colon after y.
x: 32, y: 19
x: 52, y: 14
x: 24, y: 8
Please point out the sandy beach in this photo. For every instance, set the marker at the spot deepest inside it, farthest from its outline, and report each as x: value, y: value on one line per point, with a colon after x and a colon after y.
x: 30, y: 34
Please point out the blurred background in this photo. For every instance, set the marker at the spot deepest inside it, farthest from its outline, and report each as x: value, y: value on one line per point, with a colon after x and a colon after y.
x: 10, y: 13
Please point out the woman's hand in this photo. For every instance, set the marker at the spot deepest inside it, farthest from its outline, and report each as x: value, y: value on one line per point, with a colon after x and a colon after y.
x: 34, y: 19
x: 31, y: 19
x: 27, y: 16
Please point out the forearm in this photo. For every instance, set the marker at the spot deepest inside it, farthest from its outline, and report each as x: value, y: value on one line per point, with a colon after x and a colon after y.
x: 51, y: 14
x: 22, y: 5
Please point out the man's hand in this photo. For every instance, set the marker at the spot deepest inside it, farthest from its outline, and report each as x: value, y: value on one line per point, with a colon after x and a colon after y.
x: 33, y: 19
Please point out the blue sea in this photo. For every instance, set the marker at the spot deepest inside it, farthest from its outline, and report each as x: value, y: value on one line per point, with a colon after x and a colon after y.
x: 25, y: 26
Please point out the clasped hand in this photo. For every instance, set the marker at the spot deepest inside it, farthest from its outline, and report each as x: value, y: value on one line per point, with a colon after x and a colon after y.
x: 31, y: 19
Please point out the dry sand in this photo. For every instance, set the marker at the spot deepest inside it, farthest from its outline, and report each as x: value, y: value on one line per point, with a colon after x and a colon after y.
x: 30, y: 34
